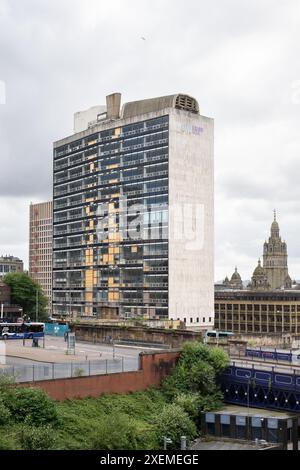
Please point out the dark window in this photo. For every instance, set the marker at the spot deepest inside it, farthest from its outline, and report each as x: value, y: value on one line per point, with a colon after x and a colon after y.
x: 225, y: 430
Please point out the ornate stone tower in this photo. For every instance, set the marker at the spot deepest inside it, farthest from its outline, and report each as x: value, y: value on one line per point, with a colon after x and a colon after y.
x: 275, y: 259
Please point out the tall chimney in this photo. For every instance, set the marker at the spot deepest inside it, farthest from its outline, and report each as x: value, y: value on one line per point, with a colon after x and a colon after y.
x: 113, y: 105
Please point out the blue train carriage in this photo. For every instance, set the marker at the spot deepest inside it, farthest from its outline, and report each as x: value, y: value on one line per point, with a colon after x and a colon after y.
x: 24, y: 330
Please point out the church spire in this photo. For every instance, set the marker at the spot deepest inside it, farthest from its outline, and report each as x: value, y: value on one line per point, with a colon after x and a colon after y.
x: 275, y: 227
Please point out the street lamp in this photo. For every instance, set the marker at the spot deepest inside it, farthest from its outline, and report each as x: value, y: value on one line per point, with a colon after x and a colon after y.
x: 37, y: 305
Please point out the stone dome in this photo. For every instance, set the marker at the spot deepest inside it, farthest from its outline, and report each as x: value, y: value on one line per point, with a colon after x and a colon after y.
x: 236, y: 276
x: 259, y: 270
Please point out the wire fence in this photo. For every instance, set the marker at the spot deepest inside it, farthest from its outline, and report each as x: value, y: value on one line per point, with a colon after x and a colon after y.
x: 51, y: 371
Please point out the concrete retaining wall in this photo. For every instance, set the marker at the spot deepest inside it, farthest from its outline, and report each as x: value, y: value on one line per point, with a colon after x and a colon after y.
x: 101, y: 333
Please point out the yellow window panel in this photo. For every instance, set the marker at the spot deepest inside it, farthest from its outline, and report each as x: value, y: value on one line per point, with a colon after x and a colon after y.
x: 111, y: 259
x: 111, y: 167
x: 134, y: 249
x: 118, y: 131
x: 87, y: 210
x: 92, y: 166
x: 115, y: 195
x: 92, y: 156
x: 89, y: 297
x: 92, y: 225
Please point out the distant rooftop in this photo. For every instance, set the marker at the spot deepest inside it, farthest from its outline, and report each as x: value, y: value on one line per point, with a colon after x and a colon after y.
x: 10, y: 258
x: 83, y: 120
x: 230, y: 444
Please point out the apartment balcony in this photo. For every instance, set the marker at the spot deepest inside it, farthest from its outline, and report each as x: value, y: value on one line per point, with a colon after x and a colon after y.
x: 60, y: 264
x: 75, y: 264
x: 161, y: 285
x: 156, y: 173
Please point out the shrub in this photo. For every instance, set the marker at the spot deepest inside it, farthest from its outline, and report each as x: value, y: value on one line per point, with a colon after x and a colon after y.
x: 78, y: 372
x: 189, y: 402
x: 5, y: 414
x: 115, y: 432
x: 173, y: 423
x: 37, y: 438
x: 7, y: 386
x: 33, y: 406
x: 196, y: 371
x: 6, y: 441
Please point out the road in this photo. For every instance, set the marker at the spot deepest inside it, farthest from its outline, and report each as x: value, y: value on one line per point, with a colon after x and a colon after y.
x: 31, y: 364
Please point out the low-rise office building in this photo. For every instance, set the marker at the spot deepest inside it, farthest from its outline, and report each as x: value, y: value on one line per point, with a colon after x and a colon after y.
x: 8, y: 312
x: 247, y: 311
x: 269, y: 303
x: 251, y: 424
x: 10, y: 264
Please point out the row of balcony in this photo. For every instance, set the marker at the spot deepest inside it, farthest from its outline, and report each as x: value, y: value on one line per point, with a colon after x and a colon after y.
x: 98, y: 140
x: 58, y: 165
x: 83, y: 187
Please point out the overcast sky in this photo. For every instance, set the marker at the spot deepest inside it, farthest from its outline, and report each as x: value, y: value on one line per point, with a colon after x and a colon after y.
x: 240, y: 59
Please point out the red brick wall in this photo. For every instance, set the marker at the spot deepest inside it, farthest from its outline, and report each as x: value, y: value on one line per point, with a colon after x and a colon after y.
x: 154, y: 368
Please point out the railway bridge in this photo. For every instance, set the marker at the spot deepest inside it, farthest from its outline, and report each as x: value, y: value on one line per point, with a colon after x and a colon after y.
x: 261, y: 385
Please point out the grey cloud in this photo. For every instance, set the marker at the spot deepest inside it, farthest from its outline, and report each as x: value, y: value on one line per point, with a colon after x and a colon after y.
x: 238, y: 58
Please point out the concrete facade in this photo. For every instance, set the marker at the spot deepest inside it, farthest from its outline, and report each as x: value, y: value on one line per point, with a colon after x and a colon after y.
x: 40, y: 246
x: 191, y: 219
x: 168, y: 274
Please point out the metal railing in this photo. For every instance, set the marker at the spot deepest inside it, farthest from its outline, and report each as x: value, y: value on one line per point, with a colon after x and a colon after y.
x: 52, y: 371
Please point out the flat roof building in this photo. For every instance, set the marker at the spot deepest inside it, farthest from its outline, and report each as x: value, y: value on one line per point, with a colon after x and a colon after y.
x: 133, y: 212
x: 10, y: 264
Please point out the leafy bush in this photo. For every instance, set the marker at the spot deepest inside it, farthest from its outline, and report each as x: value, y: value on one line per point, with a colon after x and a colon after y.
x: 190, y: 403
x: 7, y: 386
x: 115, y: 432
x: 7, y: 442
x: 196, y: 371
x: 33, y: 406
x: 5, y: 414
x: 37, y: 438
x: 78, y: 372
x: 173, y: 423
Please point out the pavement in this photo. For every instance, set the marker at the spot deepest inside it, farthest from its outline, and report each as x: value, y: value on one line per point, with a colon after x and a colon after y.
x: 56, y: 351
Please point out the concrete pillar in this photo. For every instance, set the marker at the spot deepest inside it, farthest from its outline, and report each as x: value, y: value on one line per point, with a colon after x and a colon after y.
x: 232, y: 427
x: 295, y: 434
x: 218, y: 432
x: 282, y: 433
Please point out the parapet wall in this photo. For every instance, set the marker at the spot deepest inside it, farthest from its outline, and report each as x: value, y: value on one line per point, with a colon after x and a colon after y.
x: 101, y: 333
x: 153, y: 369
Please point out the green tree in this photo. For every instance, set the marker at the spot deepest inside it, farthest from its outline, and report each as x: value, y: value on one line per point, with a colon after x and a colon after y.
x: 24, y: 292
x: 196, y: 373
x: 173, y: 423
